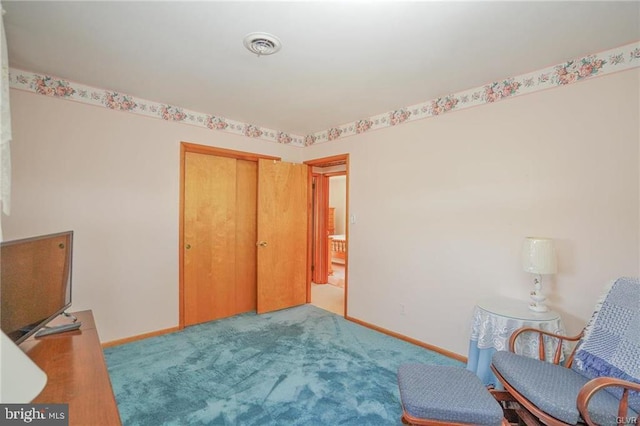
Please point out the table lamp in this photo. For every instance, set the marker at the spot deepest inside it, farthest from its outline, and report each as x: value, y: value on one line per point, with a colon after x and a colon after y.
x: 21, y: 380
x: 538, y: 257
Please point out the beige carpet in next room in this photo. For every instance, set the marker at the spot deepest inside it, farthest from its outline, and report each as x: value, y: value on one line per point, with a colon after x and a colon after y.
x: 330, y: 296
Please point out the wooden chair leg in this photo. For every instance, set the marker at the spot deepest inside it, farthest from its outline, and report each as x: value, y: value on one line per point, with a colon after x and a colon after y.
x: 528, y: 418
x: 501, y: 395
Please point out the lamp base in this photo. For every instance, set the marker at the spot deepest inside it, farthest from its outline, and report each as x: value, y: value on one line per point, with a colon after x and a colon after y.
x: 538, y: 307
x: 537, y: 304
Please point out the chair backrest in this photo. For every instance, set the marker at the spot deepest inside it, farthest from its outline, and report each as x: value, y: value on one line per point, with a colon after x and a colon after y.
x: 611, y: 343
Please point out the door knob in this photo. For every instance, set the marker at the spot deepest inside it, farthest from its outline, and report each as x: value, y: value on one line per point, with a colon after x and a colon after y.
x: 261, y: 243
x: 188, y: 246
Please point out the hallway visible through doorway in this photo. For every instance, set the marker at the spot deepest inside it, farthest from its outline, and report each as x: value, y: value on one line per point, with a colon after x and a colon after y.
x: 328, y: 181
x: 337, y: 277
x: 328, y: 297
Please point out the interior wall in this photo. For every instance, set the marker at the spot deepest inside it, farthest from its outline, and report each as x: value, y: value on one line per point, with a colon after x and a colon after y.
x: 113, y: 178
x: 443, y: 205
x: 338, y: 199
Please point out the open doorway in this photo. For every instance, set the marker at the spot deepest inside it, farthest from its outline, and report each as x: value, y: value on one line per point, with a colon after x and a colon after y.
x: 328, y: 286
x: 337, y: 229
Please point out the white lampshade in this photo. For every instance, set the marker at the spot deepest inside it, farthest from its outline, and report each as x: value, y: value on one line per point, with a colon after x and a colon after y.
x: 539, y: 256
x: 21, y: 380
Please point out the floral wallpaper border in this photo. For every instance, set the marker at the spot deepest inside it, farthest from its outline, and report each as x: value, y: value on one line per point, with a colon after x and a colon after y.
x: 59, y: 88
x: 613, y: 60
x: 609, y: 61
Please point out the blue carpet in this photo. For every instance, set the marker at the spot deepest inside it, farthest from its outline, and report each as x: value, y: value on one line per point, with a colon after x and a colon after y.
x: 299, y: 366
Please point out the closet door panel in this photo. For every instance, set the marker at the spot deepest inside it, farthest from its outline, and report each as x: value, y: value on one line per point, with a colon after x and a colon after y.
x: 246, y: 204
x: 282, y: 234
x: 209, y: 235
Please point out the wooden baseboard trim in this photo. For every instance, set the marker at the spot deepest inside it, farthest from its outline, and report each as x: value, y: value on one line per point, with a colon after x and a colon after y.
x: 348, y: 318
x: 140, y: 337
x: 409, y: 339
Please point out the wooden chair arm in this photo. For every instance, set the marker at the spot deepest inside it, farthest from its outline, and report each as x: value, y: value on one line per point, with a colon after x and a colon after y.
x: 595, y: 385
x: 541, y: 348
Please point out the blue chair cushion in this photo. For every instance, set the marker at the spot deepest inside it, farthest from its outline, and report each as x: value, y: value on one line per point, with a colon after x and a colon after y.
x: 554, y: 388
x: 446, y: 393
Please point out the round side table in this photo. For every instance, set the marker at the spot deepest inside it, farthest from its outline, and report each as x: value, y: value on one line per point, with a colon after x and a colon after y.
x: 494, y: 320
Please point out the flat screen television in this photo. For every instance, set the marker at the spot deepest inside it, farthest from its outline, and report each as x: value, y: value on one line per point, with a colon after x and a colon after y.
x: 35, y: 282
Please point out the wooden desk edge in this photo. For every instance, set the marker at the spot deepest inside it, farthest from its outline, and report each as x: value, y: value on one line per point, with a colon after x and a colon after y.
x: 76, y: 372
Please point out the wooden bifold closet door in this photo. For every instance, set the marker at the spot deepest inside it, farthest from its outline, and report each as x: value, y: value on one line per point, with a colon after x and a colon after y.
x: 219, y: 272
x: 244, y: 234
x: 283, y: 198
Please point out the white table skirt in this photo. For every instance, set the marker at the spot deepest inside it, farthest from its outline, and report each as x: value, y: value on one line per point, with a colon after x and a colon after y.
x: 490, y: 332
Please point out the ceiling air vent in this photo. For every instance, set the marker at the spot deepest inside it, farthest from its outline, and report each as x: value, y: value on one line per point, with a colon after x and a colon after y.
x: 262, y: 43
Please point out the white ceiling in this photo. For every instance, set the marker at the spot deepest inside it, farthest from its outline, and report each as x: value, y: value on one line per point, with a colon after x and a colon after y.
x: 340, y: 61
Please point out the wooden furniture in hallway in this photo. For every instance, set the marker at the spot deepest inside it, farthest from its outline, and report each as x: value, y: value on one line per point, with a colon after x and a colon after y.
x: 331, y: 221
x: 337, y: 250
x: 331, y: 229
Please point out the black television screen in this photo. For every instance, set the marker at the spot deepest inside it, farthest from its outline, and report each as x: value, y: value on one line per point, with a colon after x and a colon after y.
x: 35, y: 282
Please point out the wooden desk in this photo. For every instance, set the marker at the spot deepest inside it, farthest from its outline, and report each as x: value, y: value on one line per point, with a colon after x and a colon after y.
x: 76, y: 373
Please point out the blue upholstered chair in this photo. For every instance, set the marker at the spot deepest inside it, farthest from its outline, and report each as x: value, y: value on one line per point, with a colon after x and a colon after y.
x: 600, y: 381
